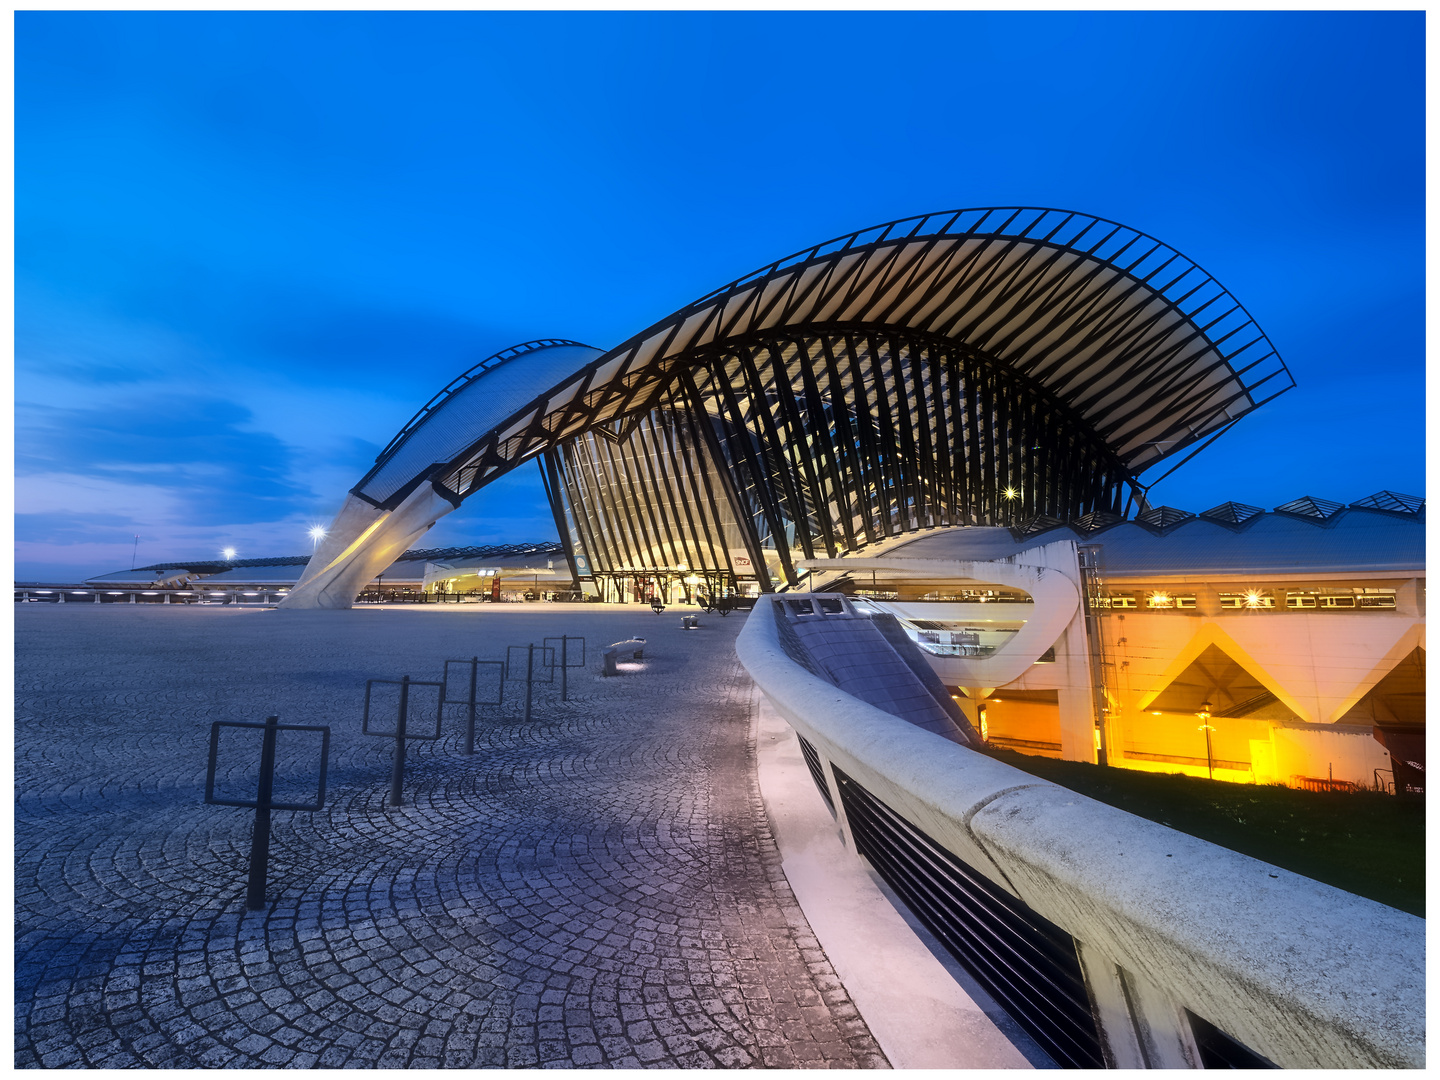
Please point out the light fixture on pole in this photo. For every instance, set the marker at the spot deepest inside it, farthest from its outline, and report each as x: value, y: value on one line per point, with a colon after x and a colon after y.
x: 229, y: 553
x: 1204, y: 715
x: 317, y: 533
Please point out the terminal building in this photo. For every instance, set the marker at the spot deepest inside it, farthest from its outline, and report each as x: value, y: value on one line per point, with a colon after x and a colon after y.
x: 947, y: 417
x: 1260, y: 647
x: 497, y: 572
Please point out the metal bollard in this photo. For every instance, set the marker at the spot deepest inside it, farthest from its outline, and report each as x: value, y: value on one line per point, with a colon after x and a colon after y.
x: 260, y: 837
x: 264, y: 795
x: 564, y: 660
x: 470, y: 718
x: 472, y: 700
x: 397, y: 770
x: 529, y: 678
x: 402, y: 731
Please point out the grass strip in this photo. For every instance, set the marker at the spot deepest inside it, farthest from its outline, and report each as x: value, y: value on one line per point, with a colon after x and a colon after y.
x: 1366, y: 843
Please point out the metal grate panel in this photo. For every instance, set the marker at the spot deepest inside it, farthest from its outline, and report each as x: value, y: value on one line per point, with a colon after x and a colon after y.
x: 817, y: 771
x: 1027, y: 963
x: 1221, y: 1051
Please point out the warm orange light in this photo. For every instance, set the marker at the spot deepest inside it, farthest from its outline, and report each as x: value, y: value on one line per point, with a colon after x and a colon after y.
x: 1253, y: 598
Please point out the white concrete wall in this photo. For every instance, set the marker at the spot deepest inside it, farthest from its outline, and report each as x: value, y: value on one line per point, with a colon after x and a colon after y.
x: 1055, y: 620
x: 1303, y: 973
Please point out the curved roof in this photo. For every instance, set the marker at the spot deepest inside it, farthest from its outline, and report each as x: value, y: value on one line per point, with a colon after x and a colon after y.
x: 1140, y: 341
x: 465, y: 410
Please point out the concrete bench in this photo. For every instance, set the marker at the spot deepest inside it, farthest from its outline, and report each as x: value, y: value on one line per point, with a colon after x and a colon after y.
x: 635, y: 648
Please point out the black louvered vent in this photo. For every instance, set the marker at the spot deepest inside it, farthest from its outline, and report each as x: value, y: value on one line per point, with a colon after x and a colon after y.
x: 817, y: 771
x: 1221, y: 1051
x: 1027, y: 963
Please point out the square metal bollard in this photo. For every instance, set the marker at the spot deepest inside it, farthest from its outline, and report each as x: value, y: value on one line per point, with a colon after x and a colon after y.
x: 566, y: 661
x: 263, y: 802
x: 472, y: 698
x: 402, y: 732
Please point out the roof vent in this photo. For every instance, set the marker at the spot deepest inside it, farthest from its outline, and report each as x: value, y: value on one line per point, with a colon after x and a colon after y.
x: 1232, y: 514
x: 1392, y: 501
x: 1038, y: 524
x: 1307, y: 506
x: 1096, y: 520
x: 1163, y: 517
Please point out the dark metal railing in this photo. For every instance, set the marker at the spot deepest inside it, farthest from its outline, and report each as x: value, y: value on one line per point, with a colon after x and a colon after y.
x: 1025, y: 962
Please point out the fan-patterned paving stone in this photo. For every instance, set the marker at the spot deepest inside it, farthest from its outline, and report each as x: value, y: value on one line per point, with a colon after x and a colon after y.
x: 597, y: 887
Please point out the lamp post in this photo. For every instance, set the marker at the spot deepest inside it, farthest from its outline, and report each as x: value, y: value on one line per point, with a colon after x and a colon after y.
x: 1204, y: 715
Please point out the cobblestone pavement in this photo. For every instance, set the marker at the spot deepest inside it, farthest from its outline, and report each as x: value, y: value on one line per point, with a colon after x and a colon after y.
x: 597, y: 887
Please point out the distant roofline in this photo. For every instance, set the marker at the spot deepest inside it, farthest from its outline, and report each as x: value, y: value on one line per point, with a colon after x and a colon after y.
x: 489, y: 551
x: 1235, y: 516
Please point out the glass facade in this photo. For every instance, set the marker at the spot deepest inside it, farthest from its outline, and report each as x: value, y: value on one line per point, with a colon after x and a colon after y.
x: 802, y: 445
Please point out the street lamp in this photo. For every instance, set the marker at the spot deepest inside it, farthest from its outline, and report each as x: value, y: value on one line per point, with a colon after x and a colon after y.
x: 229, y: 553
x: 317, y: 533
x: 1204, y: 715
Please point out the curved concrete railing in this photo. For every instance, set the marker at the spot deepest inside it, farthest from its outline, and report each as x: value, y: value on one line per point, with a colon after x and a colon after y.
x: 1303, y: 973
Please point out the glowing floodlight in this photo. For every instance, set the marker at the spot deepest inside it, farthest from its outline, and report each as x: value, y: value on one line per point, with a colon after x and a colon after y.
x: 229, y: 553
x: 1011, y: 493
x: 1205, y: 726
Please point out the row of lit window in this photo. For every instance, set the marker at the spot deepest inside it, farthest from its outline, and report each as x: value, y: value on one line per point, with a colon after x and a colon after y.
x: 183, y: 592
x: 1254, y: 600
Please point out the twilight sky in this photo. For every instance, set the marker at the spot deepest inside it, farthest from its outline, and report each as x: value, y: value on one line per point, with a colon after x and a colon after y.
x: 251, y: 245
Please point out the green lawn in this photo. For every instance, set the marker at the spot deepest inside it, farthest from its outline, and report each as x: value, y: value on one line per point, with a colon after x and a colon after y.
x: 1368, y: 843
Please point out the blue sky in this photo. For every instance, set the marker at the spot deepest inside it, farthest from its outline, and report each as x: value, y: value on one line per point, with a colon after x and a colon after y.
x: 250, y: 245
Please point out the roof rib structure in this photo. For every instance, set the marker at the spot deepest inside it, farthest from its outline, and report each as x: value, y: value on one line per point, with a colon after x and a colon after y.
x: 984, y: 366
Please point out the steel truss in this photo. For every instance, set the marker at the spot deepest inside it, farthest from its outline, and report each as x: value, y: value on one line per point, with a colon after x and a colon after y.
x: 821, y: 441
x: 1141, y: 342
x: 981, y: 366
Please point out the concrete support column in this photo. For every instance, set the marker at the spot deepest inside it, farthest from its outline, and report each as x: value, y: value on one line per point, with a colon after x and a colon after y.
x: 1163, y: 1032
x: 1077, y: 724
x: 1118, y: 1039
x: 132, y: 598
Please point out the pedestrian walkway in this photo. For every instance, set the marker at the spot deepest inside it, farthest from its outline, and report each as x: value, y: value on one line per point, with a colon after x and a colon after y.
x: 596, y: 887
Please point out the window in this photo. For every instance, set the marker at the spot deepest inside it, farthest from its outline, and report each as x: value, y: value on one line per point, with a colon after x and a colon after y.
x: 1248, y: 600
